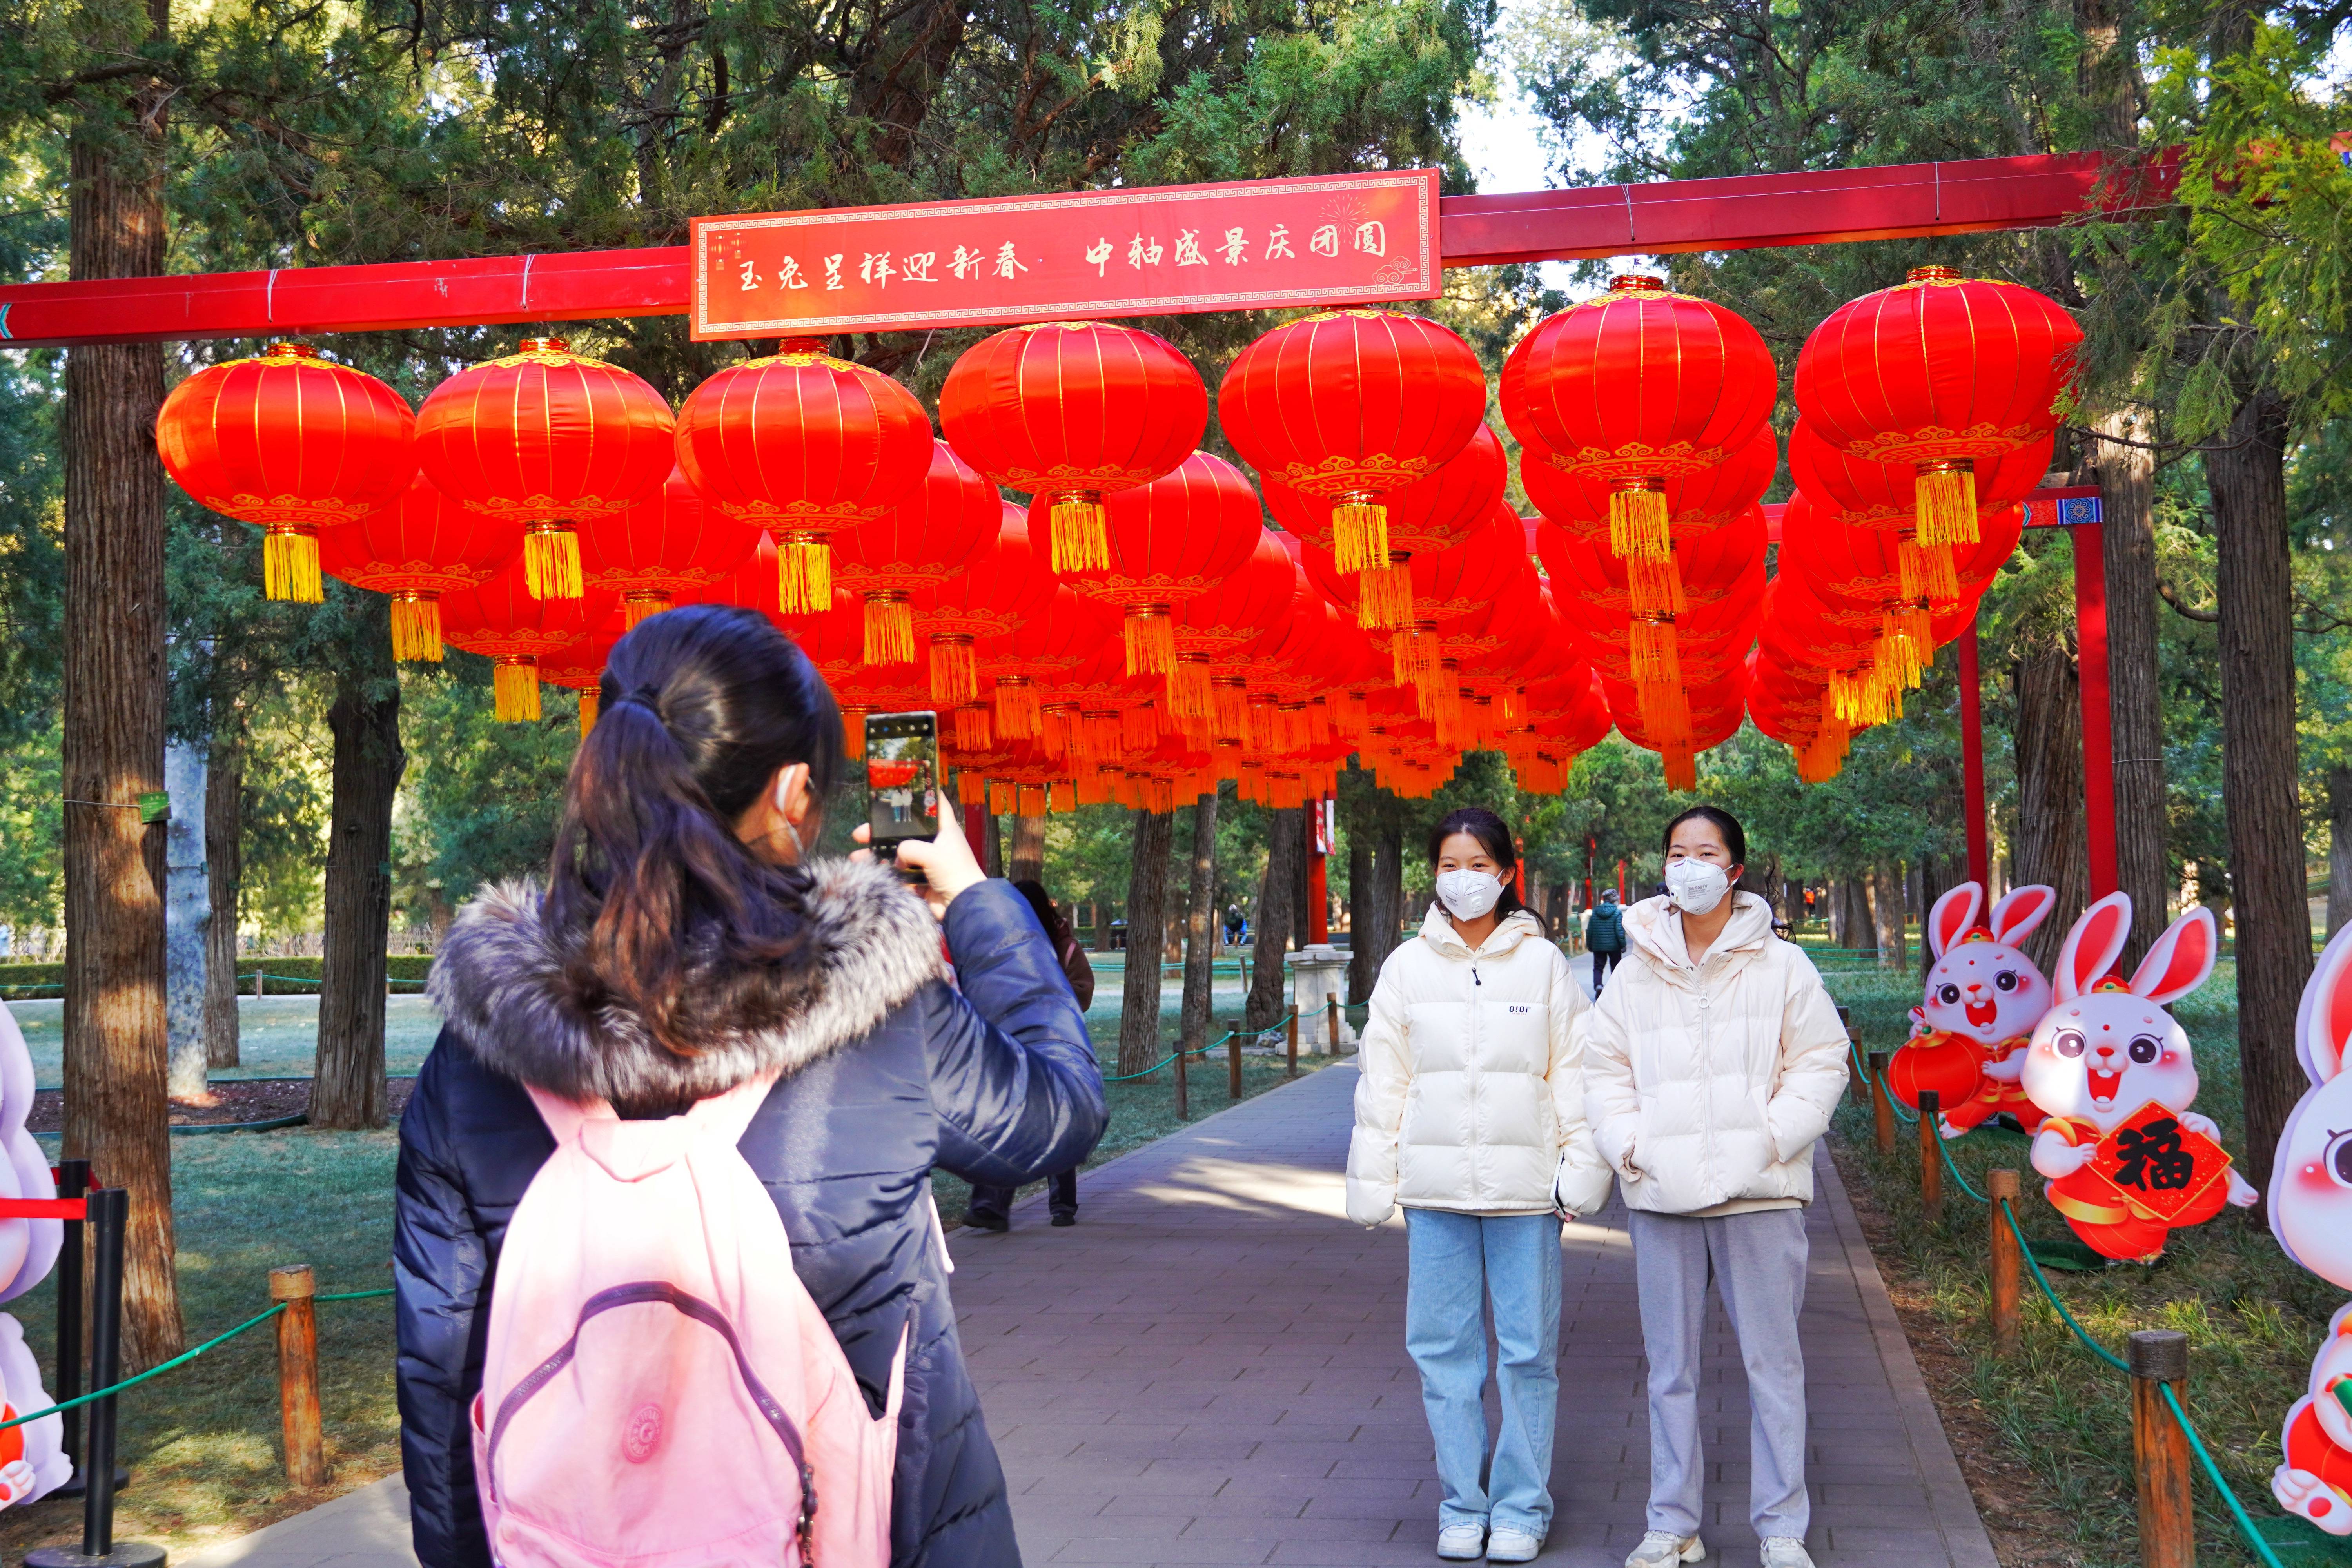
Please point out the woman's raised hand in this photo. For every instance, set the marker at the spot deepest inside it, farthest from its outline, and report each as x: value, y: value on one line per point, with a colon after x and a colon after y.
x: 946, y: 862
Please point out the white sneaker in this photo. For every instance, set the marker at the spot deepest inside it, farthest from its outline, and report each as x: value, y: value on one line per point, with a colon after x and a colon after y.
x: 1461, y: 1542
x: 1664, y: 1549
x: 1785, y: 1551
x: 1508, y: 1545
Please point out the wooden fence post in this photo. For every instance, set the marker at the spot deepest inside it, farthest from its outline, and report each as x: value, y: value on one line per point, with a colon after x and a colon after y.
x: 2168, y: 1522
x: 1931, y: 1159
x: 297, y: 1376
x: 1331, y: 1023
x: 1234, y: 1061
x: 2002, y: 1260
x: 1881, y: 1106
x: 1292, y: 1070
x: 1184, y: 1089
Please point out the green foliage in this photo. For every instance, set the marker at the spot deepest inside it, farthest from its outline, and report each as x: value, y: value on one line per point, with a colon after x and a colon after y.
x: 478, y: 805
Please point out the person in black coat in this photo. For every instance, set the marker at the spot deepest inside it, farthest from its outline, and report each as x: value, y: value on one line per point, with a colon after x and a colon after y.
x: 682, y: 946
x: 990, y: 1207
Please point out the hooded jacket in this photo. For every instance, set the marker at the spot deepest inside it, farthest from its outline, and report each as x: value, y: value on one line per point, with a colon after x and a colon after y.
x: 1604, y: 928
x: 887, y: 1071
x: 1707, y: 1084
x: 1473, y: 1093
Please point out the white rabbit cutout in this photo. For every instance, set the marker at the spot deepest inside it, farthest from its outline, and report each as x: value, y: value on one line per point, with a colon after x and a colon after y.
x: 33, y: 1462
x: 1983, y: 991
x: 2311, y: 1216
x: 31, y: 1244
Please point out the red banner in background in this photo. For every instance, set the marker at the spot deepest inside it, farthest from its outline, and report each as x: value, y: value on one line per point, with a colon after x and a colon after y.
x: 1325, y: 239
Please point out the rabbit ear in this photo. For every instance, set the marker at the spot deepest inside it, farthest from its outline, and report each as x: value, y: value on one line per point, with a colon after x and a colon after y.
x: 2093, y: 946
x: 1953, y: 914
x: 2181, y: 959
x: 2323, y: 1024
x: 2021, y: 911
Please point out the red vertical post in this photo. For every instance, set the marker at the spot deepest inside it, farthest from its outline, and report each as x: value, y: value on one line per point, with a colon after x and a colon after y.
x: 1621, y: 881
x: 1973, y: 783
x: 2098, y: 722
x: 1319, y: 888
x: 975, y: 829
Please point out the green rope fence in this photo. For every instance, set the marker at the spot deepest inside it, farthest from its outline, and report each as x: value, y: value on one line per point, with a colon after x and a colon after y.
x: 1181, y: 1051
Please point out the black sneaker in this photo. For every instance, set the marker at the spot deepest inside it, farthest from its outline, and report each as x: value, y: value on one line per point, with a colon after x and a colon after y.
x: 1062, y: 1219
x: 995, y: 1222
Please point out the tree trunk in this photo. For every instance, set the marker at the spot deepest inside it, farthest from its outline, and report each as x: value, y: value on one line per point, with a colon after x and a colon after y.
x: 1147, y: 909
x: 2339, y: 849
x: 1201, y: 927
x: 2247, y: 477
x: 224, y: 809
x: 1027, y: 863
x: 366, y: 721
x: 115, y: 1044
x: 2050, y: 844
x: 2126, y: 479
x: 1889, y: 901
x: 1936, y: 873
x: 187, y: 923
x: 1861, y: 932
x: 1363, y: 968
x: 1283, y: 841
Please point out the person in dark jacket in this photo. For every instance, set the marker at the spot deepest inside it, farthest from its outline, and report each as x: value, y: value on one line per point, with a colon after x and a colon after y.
x: 1604, y: 937
x: 990, y: 1207
x: 684, y: 944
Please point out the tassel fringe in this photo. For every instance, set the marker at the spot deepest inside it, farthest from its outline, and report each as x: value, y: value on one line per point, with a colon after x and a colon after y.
x: 638, y: 608
x: 1384, y: 595
x: 550, y: 561
x: 890, y: 629
x: 1682, y: 770
x: 1017, y: 709
x: 955, y: 672
x: 1654, y: 587
x: 803, y: 573
x: 1151, y: 641
x: 290, y: 565
x: 1081, y: 534
x: 1637, y: 521
x: 416, y: 628
x: 852, y: 731
x: 1414, y: 653
x: 1947, y: 501
x: 972, y: 730
x: 587, y: 710
x: 1360, y: 532
x: 514, y: 691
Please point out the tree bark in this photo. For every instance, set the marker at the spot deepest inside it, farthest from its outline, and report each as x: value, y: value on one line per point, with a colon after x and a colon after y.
x: 1027, y: 862
x: 348, y: 1091
x: 2126, y: 479
x: 2247, y: 478
x: 1146, y: 907
x: 187, y: 923
x: 1935, y: 872
x: 224, y: 809
x: 1272, y: 924
x: 2050, y: 844
x: 1861, y: 932
x: 115, y: 1045
x: 2339, y: 849
x: 1893, y: 946
x: 1201, y: 927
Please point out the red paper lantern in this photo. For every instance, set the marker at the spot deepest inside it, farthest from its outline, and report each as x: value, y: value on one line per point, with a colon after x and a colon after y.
x: 422, y: 546
x: 1051, y: 642
x: 926, y: 538
x: 582, y: 668
x: 1696, y: 502
x: 504, y: 621
x: 1002, y: 587
x: 804, y: 446
x: 1447, y: 587
x: 292, y: 443
x: 1351, y: 406
x: 1633, y: 388
x: 669, y: 550
x: 1852, y: 490
x: 1070, y: 412
x: 1939, y: 373
x: 1168, y: 541
x: 1434, y: 513
x: 547, y: 439
x: 1210, y: 628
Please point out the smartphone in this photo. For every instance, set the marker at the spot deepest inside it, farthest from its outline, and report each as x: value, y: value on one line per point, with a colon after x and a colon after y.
x: 902, y: 778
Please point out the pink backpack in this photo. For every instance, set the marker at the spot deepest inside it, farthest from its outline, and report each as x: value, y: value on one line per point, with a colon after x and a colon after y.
x: 659, y: 1389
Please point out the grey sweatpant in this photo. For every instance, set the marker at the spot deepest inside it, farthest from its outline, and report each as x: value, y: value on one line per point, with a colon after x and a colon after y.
x: 1758, y: 1264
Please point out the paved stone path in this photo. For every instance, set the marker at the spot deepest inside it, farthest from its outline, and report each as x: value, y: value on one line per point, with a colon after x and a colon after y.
x: 1209, y: 1369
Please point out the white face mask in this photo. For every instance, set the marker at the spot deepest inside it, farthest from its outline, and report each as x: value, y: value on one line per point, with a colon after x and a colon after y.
x: 1467, y: 895
x: 1697, y: 886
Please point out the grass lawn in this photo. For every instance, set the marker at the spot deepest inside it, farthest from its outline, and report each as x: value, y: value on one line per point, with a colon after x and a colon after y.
x: 2253, y: 1319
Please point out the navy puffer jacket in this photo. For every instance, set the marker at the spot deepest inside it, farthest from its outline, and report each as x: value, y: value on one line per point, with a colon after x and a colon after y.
x: 890, y: 1071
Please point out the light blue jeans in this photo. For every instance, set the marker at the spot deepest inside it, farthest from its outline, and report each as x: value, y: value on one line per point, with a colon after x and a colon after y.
x: 1458, y: 1262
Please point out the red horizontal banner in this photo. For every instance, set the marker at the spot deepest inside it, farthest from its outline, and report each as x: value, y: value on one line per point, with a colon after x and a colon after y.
x: 43, y: 1208
x: 1328, y: 240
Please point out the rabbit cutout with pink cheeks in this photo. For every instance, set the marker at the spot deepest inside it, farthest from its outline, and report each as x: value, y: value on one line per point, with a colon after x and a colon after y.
x: 33, y: 1462
x: 20, y: 1152
x: 1983, y: 991
x: 2311, y: 1215
x: 2106, y: 1050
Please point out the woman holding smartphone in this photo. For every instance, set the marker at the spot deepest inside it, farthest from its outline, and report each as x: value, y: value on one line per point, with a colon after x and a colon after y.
x: 686, y: 942
x: 1712, y: 1064
x: 1471, y: 1116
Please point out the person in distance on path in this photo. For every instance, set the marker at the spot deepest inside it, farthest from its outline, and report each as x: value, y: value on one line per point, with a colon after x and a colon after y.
x: 1604, y: 936
x: 1471, y: 1115
x: 990, y: 1207
x: 1711, y: 1067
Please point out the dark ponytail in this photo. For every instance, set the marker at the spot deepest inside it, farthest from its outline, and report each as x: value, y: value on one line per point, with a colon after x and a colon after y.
x: 656, y: 906
x: 1494, y: 836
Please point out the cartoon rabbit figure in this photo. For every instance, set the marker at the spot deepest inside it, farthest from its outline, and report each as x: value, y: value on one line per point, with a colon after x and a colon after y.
x: 2103, y: 1053
x: 33, y: 1462
x: 31, y: 1244
x: 2311, y: 1215
x: 1983, y: 998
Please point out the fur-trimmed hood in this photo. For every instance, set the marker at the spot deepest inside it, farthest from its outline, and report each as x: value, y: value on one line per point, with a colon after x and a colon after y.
x: 499, y: 982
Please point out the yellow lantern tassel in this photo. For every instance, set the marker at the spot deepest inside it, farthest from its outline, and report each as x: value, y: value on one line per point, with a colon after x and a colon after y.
x: 1349, y: 713
x: 955, y: 672
x: 890, y: 629
x: 1360, y: 531
x: 1443, y: 708
x: 1057, y: 728
x: 1081, y: 533
x: 1003, y: 799
x: 1414, y: 653
x: 1384, y: 595
x: 1062, y: 798
x: 971, y: 788
x: 972, y: 730
x: 289, y: 565
x: 803, y: 573
x: 1319, y: 723
x: 416, y: 628
x: 514, y: 691
x: 1150, y: 640
x: 852, y: 731
x: 638, y: 608
x: 1682, y: 770
x: 1665, y: 714
x: 1189, y: 696
x: 1654, y: 587
x: 1232, y: 720
x: 1017, y: 709
x: 587, y: 710
x: 1138, y: 729
x: 1947, y: 501
x: 1033, y: 800
x: 550, y: 561
x: 1651, y: 654
x: 1926, y: 572
x: 1638, y: 521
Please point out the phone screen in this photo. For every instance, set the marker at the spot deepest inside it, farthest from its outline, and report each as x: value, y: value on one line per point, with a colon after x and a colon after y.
x: 902, y: 776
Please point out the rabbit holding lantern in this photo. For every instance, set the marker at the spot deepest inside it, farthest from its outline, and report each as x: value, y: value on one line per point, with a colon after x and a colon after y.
x: 2311, y: 1215
x: 1983, y: 998
x: 2113, y: 1074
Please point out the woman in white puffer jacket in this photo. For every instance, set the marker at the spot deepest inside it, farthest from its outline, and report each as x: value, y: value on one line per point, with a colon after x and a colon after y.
x: 1711, y: 1066
x: 1471, y: 1115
